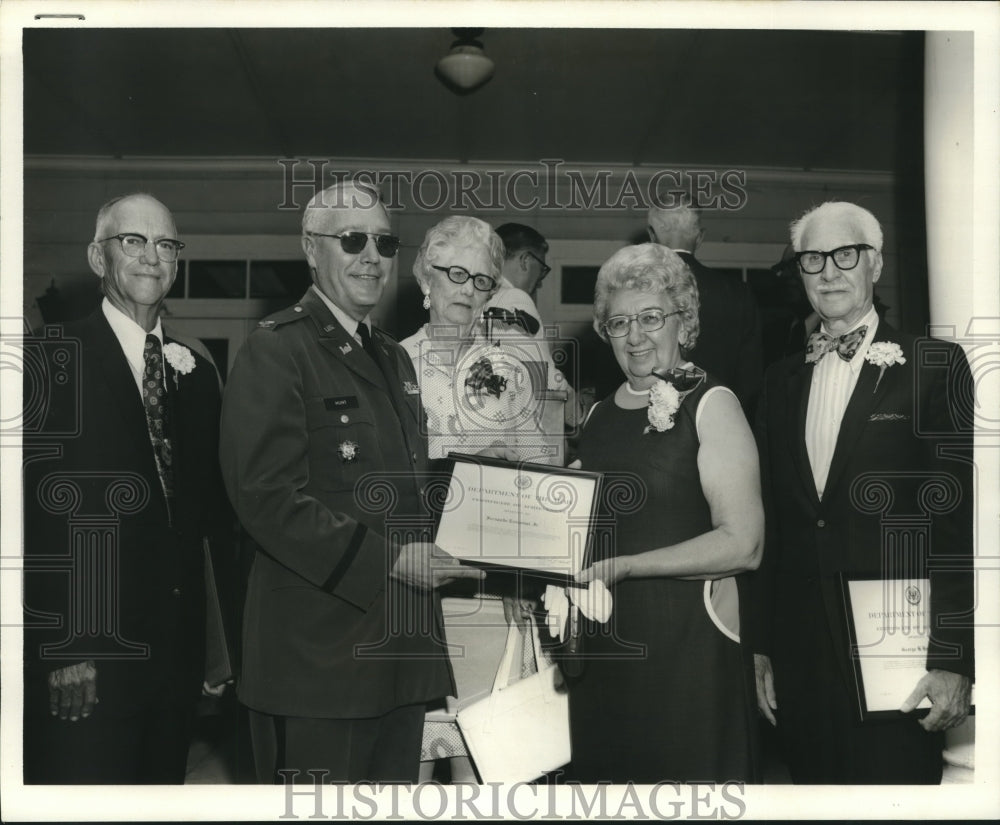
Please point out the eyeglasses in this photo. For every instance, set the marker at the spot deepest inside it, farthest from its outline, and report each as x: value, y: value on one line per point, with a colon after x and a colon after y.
x: 353, y: 242
x: 649, y: 320
x: 459, y: 275
x: 134, y: 246
x: 546, y: 269
x: 812, y: 261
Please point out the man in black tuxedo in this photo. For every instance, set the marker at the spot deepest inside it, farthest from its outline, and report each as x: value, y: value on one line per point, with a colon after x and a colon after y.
x: 866, y: 454
x: 323, y: 449
x: 729, y: 344
x: 119, y: 500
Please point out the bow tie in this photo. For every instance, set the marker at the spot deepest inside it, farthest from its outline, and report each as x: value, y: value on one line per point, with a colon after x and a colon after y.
x: 846, y: 345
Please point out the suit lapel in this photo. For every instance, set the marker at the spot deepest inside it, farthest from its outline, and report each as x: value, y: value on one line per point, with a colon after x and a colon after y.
x: 126, y: 401
x: 868, y: 394
x: 387, y: 361
x: 799, y: 385
x: 179, y: 417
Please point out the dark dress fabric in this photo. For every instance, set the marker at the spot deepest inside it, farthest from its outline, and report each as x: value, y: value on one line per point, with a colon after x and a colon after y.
x: 663, y: 694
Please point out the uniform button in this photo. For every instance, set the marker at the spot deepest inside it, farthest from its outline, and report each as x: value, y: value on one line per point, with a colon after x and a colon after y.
x: 176, y: 592
x: 414, y: 458
x: 821, y: 523
x: 344, y: 419
x: 298, y: 309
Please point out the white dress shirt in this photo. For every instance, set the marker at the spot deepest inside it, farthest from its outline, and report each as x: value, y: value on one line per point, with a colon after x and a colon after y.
x: 132, y: 339
x: 833, y: 381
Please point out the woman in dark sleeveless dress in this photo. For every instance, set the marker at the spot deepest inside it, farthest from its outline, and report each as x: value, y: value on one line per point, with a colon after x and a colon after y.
x: 661, y: 691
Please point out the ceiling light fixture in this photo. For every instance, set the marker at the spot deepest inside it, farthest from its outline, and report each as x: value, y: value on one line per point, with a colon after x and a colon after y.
x: 465, y: 68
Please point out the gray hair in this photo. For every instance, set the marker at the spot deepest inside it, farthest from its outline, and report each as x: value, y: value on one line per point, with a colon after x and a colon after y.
x: 459, y: 231
x: 677, y: 227
x: 871, y: 230
x: 104, y: 213
x: 651, y: 268
x: 344, y: 194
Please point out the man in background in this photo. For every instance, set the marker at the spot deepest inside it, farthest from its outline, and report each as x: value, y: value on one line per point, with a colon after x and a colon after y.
x: 524, y: 269
x: 729, y: 344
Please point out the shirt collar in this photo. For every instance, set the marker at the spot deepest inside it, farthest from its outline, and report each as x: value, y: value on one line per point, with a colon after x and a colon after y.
x: 345, y: 320
x: 131, y: 337
x: 871, y: 320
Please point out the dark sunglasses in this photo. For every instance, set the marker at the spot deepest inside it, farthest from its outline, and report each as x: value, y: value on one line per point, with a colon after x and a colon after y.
x: 353, y: 242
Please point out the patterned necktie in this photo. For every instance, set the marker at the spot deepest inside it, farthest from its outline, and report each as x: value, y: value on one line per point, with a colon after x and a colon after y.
x: 156, y: 403
x: 846, y: 345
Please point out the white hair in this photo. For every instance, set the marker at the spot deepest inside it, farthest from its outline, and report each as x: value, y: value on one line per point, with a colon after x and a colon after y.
x: 871, y: 230
x: 677, y: 227
x: 344, y: 194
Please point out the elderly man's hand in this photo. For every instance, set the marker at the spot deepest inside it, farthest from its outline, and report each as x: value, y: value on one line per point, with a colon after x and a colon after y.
x: 73, y: 691
x: 424, y: 565
x: 767, y: 700
x: 950, y: 695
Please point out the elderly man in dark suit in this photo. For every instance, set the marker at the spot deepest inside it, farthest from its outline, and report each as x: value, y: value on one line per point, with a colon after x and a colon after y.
x: 729, y: 345
x: 866, y: 451
x: 322, y: 442
x: 118, y: 507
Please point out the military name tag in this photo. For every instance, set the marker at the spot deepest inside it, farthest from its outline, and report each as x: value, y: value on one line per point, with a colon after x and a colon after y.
x: 344, y: 402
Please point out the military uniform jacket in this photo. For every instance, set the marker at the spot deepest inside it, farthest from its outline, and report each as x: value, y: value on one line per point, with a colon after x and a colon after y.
x: 324, y: 458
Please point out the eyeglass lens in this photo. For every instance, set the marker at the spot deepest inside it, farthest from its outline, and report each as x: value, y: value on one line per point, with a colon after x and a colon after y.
x: 649, y: 320
x: 135, y: 247
x: 353, y: 242
x: 459, y: 275
x: 845, y: 257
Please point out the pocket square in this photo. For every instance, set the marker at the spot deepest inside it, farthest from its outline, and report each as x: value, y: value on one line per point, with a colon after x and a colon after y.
x: 888, y: 417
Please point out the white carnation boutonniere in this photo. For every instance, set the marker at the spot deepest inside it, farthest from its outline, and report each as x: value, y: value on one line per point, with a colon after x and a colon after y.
x: 664, y: 399
x: 180, y: 358
x: 883, y: 354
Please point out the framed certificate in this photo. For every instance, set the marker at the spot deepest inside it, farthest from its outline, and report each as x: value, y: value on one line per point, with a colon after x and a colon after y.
x: 889, y: 626
x: 531, y: 517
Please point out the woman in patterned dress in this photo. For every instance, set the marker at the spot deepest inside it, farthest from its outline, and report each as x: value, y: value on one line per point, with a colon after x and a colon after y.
x: 479, y: 387
x: 662, y: 692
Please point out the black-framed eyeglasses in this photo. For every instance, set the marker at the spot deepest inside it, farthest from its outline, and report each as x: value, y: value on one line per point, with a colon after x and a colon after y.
x: 812, y: 261
x: 546, y: 269
x: 649, y: 320
x: 459, y: 275
x: 134, y: 245
x: 353, y: 242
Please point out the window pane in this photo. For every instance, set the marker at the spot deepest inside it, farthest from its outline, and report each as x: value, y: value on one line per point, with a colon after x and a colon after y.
x: 578, y: 284
x: 279, y: 279
x: 217, y: 279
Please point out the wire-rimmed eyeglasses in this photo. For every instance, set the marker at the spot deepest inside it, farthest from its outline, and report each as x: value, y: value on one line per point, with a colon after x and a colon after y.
x: 649, y: 320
